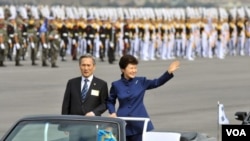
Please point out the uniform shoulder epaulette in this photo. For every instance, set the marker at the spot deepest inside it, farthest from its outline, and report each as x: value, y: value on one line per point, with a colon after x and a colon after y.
x: 60, y: 25
x: 151, y: 26
x: 139, y: 25
x: 118, y: 25
x: 108, y: 26
x: 94, y: 25
x: 31, y: 22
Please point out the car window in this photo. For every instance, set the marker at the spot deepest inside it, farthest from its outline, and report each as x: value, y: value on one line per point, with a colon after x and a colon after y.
x: 64, y: 131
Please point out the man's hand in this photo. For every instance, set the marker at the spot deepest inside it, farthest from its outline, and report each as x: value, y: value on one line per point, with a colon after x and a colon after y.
x: 173, y: 66
x: 90, y: 114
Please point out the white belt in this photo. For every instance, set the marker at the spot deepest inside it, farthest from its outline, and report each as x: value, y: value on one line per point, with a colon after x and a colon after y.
x: 56, y: 36
x: 65, y: 34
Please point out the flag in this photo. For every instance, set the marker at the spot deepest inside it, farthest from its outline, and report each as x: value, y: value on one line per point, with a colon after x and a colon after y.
x: 44, y: 26
x: 222, y: 115
x: 104, y: 135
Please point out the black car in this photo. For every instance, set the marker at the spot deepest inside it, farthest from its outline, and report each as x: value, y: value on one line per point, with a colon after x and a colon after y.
x: 84, y: 128
x: 66, y: 128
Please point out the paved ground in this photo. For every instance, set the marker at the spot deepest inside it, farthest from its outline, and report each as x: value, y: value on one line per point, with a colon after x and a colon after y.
x: 186, y: 103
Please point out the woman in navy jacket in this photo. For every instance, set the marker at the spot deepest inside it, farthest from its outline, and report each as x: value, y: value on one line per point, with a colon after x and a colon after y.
x: 130, y: 91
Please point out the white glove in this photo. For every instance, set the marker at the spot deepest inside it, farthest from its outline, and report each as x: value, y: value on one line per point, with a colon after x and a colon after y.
x: 45, y: 45
x: 17, y: 46
x: 32, y: 45
x: 2, y: 46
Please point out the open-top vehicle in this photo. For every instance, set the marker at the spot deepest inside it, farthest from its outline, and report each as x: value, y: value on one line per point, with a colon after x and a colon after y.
x: 83, y: 128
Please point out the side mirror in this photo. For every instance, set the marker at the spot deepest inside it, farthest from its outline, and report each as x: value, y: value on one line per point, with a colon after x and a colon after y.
x: 240, y: 115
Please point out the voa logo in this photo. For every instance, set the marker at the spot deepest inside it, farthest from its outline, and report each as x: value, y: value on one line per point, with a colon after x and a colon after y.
x: 236, y: 132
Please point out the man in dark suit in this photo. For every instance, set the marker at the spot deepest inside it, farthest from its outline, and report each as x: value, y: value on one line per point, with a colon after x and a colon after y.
x: 93, y: 103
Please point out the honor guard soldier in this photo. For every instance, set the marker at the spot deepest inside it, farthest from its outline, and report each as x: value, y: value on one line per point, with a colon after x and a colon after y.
x: 112, y: 31
x: 219, y: 39
x: 179, y: 29
x: 14, y: 37
x: 38, y: 43
x: 232, y: 36
x: 75, y: 40
x: 90, y: 35
x: 23, y: 19
x: 134, y: 41
x: 103, y: 33
x: 212, y: 37
x: 248, y: 36
x: 3, y: 38
x: 201, y: 26
x: 171, y: 39
x: 241, y: 35
x: 158, y: 41
x: 82, y: 35
x: 43, y: 32
x: 145, y: 39
x: 69, y: 25
x: 164, y: 34
x: 24, y: 35
x: 126, y: 36
x: 222, y: 48
x: 53, y: 42
x: 141, y: 36
x: 152, y: 39
x: 32, y: 39
x: 119, y: 24
x: 188, y: 50
x: 2, y: 46
x: 205, y: 36
x: 64, y: 32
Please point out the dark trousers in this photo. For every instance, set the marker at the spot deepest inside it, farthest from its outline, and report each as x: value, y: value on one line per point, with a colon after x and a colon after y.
x: 90, y: 48
x: 74, y: 52
x: 103, y: 49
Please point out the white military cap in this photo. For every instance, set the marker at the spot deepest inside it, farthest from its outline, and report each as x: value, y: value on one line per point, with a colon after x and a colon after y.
x: 13, y: 12
x: 34, y: 12
x: 61, y: 12
x: 1, y: 13
x: 83, y: 12
x: 90, y: 17
x: 233, y: 13
x: 45, y: 11
x: 241, y: 12
x: 69, y: 13
x: 23, y: 12
x: 96, y: 14
x: 76, y: 13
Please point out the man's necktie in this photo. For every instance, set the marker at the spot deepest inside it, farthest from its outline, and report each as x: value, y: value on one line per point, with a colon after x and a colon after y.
x: 84, y: 89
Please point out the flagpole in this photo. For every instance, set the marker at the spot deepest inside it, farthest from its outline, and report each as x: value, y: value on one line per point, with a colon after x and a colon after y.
x: 218, y: 124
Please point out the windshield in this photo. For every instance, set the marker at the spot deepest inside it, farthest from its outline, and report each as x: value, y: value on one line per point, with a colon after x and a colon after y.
x: 64, y: 131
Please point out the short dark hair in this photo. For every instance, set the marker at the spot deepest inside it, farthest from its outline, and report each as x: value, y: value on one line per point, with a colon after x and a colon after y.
x: 127, y: 59
x: 87, y: 55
